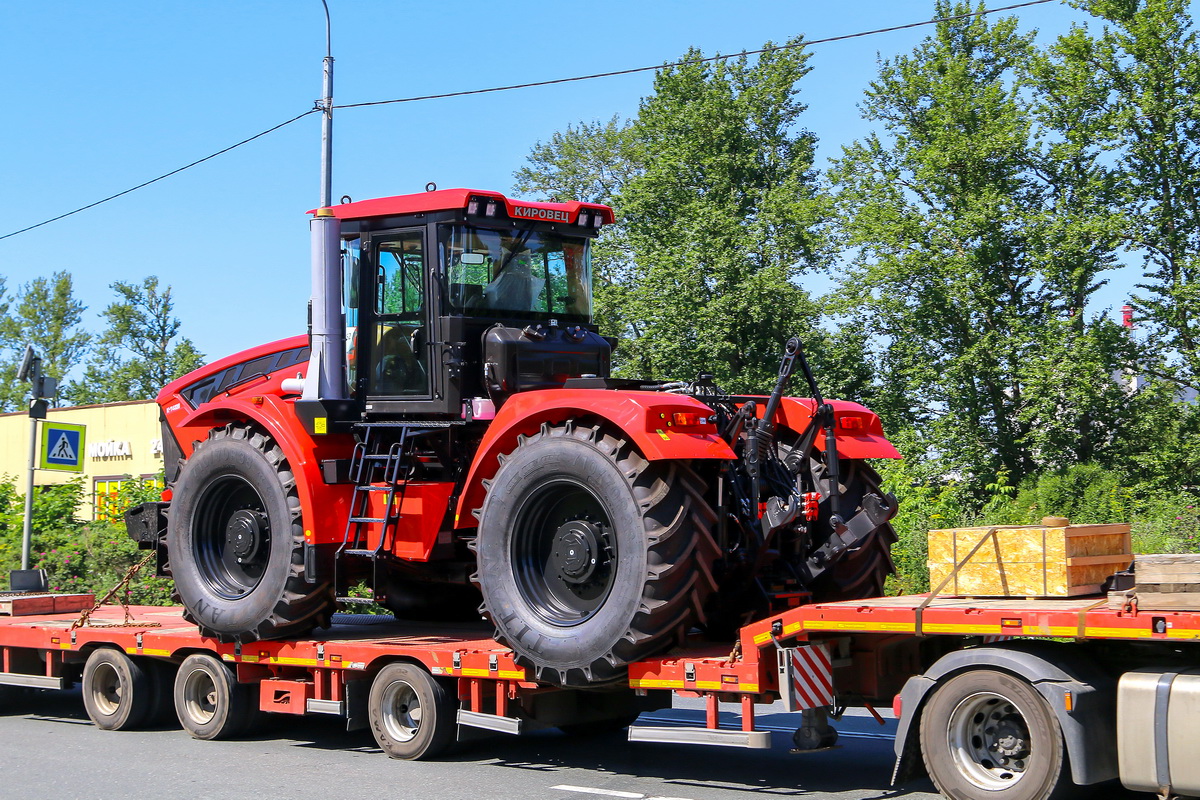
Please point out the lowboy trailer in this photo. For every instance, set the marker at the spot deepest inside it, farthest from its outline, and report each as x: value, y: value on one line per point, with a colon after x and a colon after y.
x: 995, y: 698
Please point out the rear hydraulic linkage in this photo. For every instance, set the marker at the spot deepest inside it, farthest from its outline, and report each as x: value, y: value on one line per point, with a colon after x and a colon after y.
x: 779, y: 512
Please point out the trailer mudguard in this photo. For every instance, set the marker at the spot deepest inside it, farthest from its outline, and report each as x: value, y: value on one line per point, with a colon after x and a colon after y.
x: 648, y: 418
x: 324, y: 506
x: 1054, y: 669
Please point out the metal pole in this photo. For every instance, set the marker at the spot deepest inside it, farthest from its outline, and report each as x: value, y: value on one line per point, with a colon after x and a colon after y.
x: 27, y: 532
x: 327, y: 119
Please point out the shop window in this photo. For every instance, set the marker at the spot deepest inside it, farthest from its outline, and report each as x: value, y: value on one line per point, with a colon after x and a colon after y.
x: 107, y: 502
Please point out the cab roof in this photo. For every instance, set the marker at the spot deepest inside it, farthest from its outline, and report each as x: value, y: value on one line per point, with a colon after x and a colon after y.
x: 455, y: 199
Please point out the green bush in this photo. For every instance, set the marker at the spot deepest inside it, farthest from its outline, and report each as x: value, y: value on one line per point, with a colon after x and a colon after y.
x: 79, y: 556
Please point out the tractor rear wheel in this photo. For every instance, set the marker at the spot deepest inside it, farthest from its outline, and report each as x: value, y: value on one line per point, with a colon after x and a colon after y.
x: 235, y: 542
x: 589, y: 556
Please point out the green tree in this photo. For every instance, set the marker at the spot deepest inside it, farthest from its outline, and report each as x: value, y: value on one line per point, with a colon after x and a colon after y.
x: 47, y: 315
x: 1144, y: 70
x: 715, y: 191
x: 975, y: 244
x: 141, y: 350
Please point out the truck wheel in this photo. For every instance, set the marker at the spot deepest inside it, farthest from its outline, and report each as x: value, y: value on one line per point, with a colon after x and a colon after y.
x: 117, y: 693
x: 986, y: 732
x: 589, y: 556
x: 413, y: 716
x: 859, y: 573
x: 235, y: 542
x: 210, y: 702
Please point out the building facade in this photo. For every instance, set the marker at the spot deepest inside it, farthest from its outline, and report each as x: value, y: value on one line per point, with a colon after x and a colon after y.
x: 122, y: 441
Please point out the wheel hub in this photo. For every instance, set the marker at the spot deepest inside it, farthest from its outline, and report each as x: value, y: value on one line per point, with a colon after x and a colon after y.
x: 577, y: 545
x: 1009, y: 738
x: 244, y: 533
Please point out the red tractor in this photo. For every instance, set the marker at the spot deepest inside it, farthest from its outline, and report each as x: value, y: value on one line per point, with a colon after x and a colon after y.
x: 449, y: 434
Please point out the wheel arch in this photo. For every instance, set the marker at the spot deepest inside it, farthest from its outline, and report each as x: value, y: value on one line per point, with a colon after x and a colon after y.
x: 630, y: 413
x: 1054, y: 670
x: 323, y: 506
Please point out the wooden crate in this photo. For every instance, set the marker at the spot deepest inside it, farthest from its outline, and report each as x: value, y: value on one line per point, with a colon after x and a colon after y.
x: 1028, y: 560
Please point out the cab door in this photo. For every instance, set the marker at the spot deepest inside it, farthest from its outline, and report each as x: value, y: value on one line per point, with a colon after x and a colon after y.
x: 398, y: 357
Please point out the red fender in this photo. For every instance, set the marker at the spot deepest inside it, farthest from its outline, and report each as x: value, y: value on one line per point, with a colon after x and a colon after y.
x: 325, y: 507
x: 648, y: 418
x: 858, y: 429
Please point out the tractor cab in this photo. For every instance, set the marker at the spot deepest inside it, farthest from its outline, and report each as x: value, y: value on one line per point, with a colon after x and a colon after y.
x: 454, y: 300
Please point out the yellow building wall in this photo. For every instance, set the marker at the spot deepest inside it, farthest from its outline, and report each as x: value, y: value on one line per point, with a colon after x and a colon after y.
x: 122, y: 440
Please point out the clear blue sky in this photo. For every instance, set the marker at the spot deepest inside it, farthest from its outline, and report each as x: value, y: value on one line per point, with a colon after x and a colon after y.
x: 102, y: 96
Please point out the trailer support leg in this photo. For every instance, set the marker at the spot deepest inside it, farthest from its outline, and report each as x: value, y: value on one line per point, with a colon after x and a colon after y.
x: 711, y: 717
x: 748, y: 713
x: 815, y: 732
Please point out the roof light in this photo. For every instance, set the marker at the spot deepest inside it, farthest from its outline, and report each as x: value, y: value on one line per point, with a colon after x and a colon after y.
x: 492, y: 208
x: 597, y: 219
x: 473, y: 206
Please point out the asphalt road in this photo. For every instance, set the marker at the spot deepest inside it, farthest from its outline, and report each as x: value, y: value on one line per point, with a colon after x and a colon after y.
x: 49, y: 749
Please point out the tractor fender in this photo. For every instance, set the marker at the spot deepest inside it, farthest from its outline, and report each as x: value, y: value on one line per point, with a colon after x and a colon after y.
x: 324, y: 506
x: 645, y: 417
x: 858, y: 429
x: 1053, y: 668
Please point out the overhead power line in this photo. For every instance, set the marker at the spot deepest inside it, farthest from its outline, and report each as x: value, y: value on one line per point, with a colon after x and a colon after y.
x: 164, y: 175
x: 633, y: 70
x: 511, y: 87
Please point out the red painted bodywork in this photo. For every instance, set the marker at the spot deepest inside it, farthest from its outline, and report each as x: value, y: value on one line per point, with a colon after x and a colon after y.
x: 631, y: 412
x: 262, y: 402
x: 444, y: 199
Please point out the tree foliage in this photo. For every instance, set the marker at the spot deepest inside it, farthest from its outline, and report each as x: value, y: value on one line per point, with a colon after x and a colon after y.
x: 140, y: 351
x: 47, y: 315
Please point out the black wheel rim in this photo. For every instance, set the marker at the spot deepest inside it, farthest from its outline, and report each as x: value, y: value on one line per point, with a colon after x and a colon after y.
x: 232, y: 536
x: 564, y: 552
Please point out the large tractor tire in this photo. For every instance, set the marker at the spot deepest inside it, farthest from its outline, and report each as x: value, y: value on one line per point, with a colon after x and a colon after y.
x: 235, y: 542
x: 859, y: 573
x: 589, y: 556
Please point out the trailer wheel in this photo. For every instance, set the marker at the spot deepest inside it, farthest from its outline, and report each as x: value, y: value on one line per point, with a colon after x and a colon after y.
x: 413, y: 716
x: 209, y: 701
x: 989, y: 732
x: 118, y: 693
x: 235, y: 542
x: 589, y: 556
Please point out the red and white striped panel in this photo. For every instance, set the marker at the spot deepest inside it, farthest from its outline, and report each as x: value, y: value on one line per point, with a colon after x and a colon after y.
x: 811, y: 677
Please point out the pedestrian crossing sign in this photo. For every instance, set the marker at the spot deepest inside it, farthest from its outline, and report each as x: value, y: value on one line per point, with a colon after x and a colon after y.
x: 62, y: 447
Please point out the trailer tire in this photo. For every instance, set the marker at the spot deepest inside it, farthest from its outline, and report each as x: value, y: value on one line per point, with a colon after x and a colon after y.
x: 209, y: 701
x: 413, y: 715
x: 990, y: 732
x: 118, y: 693
x: 235, y: 542
x: 591, y: 557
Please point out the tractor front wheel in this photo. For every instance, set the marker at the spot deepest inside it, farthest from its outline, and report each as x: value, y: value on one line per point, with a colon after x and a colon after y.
x: 235, y: 542
x: 591, y: 557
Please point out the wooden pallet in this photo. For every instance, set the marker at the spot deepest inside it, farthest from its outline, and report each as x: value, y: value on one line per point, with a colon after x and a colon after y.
x: 22, y: 605
x: 1167, y: 582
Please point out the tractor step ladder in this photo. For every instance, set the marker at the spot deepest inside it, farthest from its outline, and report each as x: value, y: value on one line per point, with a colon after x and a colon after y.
x: 374, y: 470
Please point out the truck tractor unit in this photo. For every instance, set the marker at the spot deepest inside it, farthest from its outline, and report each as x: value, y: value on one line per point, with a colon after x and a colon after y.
x: 449, y: 435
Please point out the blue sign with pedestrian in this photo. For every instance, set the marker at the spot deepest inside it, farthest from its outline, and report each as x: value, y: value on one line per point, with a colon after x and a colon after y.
x: 62, y: 446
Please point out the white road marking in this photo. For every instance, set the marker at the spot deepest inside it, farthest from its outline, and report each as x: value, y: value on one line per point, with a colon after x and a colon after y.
x: 605, y: 792
x: 611, y: 793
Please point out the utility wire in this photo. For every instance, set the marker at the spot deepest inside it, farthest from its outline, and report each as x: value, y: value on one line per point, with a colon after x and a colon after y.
x: 161, y: 177
x: 711, y: 59
x: 529, y: 86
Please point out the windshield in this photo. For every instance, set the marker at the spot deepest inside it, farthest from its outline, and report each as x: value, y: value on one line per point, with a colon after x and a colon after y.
x: 516, y: 272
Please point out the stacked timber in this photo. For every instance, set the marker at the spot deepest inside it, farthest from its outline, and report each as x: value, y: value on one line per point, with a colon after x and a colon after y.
x: 1054, y: 559
x: 1163, y: 582
x: 20, y: 604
